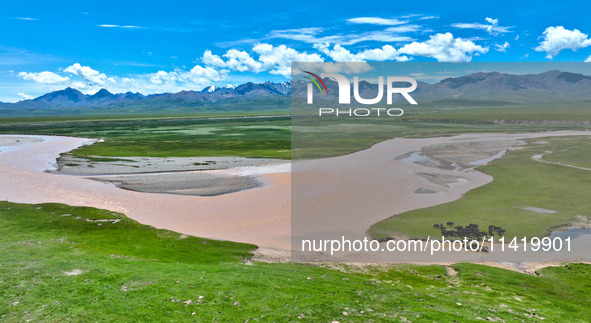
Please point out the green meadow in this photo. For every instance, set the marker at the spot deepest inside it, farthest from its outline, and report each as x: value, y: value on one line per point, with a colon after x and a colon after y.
x: 518, y: 182
x: 59, y: 264
x: 249, y: 135
x: 167, y: 136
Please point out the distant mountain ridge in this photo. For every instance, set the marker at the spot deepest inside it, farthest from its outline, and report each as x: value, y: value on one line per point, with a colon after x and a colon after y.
x: 70, y: 97
x: 549, y: 86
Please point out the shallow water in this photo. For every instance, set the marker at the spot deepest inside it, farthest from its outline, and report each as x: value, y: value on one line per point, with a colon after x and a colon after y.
x: 572, y: 233
x: 487, y: 160
x: 261, y: 215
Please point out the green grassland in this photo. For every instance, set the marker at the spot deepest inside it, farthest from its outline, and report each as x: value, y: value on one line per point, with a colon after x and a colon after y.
x: 57, y: 266
x: 248, y: 135
x: 506, y: 113
x: 518, y: 182
x: 569, y: 151
x: 314, y: 137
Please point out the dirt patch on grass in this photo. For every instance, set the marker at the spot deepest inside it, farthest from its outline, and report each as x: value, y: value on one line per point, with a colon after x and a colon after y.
x: 74, y: 272
x: 271, y: 255
x: 451, y: 271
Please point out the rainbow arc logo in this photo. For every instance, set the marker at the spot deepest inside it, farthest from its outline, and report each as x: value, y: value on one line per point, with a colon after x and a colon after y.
x: 319, y: 80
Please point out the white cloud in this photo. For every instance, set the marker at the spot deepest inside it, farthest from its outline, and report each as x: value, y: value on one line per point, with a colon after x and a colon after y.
x: 118, y: 26
x: 379, y: 36
x: 89, y: 81
x: 88, y: 75
x: 272, y: 59
x: 26, y: 19
x: 557, y: 38
x: 588, y: 60
x: 428, y: 17
x: 241, y: 61
x: 377, y: 21
x: 162, y: 77
x: 307, y: 35
x: 43, y: 77
x: 206, y: 75
x: 313, y: 35
x: 331, y: 67
x: 502, y: 47
x: 212, y: 60
x: 197, y: 77
x: 444, y: 48
x: 393, y: 32
x: 277, y: 59
x: 340, y: 54
x: 403, y: 29
x: 492, y: 27
x: 493, y: 22
x: 25, y: 96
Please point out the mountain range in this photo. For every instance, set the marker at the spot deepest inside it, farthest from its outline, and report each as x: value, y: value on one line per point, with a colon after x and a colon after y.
x: 544, y: 87
x: 547, y: 87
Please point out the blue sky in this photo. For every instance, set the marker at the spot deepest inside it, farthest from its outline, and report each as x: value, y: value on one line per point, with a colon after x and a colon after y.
x: 169, y: 46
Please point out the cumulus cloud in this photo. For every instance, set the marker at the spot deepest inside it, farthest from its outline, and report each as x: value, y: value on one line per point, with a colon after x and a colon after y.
x: 502, y: 47
x: 492, y: 27
x: 340, y: 54
x: 162, y: 77
x: 198, y: 76
x: 207, y: 74
x: 588, y: 60
x: 332, y: 67
x: 89, y: 80
x: 444, y: 48
x: 46, y: 78
x: 238, y: 61
x: 278, y: 58
x: 263, y: 58
x: 557, y: 38
x: 88, y: 75
x: 213, y: 60
x: 377, y: 21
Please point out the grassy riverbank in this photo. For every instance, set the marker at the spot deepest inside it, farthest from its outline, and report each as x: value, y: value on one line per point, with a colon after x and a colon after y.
x: 61, y: 263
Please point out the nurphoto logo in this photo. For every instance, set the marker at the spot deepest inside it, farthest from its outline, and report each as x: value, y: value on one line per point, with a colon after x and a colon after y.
x: 344, y: 94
